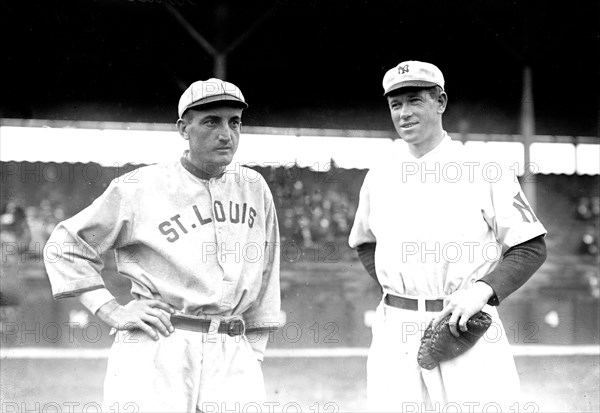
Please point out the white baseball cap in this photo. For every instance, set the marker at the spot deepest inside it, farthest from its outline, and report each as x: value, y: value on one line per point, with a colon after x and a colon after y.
x: 412, y: 73
x: 208, y: 91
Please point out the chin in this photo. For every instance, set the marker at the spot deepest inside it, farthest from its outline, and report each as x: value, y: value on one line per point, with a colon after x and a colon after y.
x: 407, y: 138
x: 222, y: 162
x: 403, y: 135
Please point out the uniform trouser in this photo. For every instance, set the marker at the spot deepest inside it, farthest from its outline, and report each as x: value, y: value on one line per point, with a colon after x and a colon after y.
x: 483, y: 378
x: 186, y: 372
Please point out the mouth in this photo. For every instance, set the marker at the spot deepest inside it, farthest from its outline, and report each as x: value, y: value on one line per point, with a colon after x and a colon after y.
x: 223, y: 148
x: 408, y: 125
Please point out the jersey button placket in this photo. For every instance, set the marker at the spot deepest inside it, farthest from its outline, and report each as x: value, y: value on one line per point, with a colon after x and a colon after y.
x: 221, y: 236
x: 215, y: 195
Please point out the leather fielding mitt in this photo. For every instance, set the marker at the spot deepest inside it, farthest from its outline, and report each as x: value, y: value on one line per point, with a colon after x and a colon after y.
x: 438, y: 344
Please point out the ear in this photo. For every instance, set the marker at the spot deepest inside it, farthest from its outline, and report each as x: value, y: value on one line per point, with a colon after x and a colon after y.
x: 181, y: 128
x: 442, y: 102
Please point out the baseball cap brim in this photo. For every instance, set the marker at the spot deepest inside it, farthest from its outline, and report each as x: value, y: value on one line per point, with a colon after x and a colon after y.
x: 219, y: 98
x: 409, y: 83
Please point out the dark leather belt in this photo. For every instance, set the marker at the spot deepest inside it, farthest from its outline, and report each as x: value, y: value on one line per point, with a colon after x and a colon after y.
x: 412, y: 303
x: 235, y: 327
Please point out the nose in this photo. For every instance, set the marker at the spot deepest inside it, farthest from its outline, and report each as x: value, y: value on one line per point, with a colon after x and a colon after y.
x: 224, y: 134
x: 405, y: 112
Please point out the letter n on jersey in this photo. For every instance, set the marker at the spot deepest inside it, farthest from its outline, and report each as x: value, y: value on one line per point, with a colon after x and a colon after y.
x: 522, y: 207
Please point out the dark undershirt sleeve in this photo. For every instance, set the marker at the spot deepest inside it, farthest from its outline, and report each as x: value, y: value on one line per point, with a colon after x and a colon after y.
x: 366, y: 254
x: 518, y: 264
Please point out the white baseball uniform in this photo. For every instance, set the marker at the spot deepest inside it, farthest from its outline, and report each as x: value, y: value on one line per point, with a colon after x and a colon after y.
x: 440, y: 223
x: 207, y: 247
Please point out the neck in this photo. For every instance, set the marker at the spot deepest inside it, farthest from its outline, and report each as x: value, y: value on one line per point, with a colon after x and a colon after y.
x: 199, y: 169
x: 423, y: 148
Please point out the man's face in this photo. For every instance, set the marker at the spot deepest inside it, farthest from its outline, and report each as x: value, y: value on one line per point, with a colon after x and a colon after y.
x: 213, y: 134
x: 416, y: 115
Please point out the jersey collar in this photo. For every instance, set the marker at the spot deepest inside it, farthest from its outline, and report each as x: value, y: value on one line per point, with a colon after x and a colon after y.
x: 197, y: 172
x: 446, y: 140
x: 444, y: 143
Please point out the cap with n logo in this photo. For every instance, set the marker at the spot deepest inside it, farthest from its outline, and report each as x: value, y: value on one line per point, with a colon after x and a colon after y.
x: 412, y: 73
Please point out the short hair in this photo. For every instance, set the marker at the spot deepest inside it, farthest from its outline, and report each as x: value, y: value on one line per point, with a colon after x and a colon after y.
x: 434, y: 92
x: 188, y: 116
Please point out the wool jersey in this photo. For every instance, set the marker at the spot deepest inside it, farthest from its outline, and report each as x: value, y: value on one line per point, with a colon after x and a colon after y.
x: 441, y: 221
x: 207, y: 247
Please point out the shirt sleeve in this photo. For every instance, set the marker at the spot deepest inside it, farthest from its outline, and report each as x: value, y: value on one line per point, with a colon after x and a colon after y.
x: 366, y: 255
x: 508, y: 212
x: 74, y: 250
x: 361, y: 231
x: 264, y: 313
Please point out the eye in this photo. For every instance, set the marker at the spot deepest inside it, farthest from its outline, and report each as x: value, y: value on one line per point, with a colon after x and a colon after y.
x: 211, y: 123
x: 235, y: 124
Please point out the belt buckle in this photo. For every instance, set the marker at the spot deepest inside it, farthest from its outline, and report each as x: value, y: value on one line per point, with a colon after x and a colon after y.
x: 236, y: 327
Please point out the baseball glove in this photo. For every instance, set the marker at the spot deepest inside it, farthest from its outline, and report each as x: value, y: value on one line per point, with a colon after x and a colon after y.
x: 440, y: 345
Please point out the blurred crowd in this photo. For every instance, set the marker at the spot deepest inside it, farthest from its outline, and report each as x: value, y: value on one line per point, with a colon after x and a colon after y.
x: 29, y: 227
x: 24, y: 231
x: 312, y: 216
x: 588, y: 211
x: 313, y: 211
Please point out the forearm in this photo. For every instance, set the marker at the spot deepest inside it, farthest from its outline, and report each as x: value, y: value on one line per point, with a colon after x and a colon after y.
x: 96, y: 299
x: 100, y: 303
x: 518, y: 264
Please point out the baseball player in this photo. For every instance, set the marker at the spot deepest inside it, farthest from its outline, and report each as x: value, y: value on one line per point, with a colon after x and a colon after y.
x: 443, y: 231
x: 199, y: 242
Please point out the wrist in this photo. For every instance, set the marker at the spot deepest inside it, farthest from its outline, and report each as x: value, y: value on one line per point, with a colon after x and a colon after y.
x: 94, y: 299
x: 106, y: 310
x: 484, y: 290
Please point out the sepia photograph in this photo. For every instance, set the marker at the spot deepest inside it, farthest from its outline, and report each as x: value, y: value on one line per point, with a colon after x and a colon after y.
x: 299, y: 206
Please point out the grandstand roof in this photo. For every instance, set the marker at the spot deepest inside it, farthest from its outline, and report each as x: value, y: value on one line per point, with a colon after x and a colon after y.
x: 300, y: 63
x: 117, y: 144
